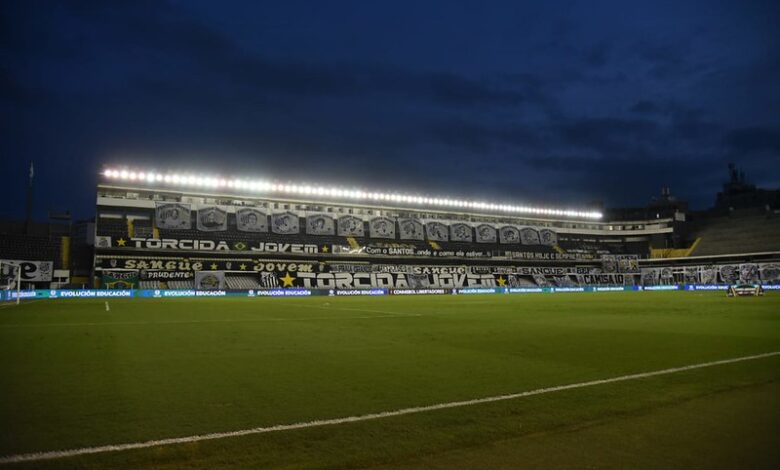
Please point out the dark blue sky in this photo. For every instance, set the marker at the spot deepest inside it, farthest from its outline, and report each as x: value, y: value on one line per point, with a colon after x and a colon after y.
x: 556, y: 102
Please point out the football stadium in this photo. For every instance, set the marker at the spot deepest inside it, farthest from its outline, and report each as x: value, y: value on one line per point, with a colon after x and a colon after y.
x: 213, y: 320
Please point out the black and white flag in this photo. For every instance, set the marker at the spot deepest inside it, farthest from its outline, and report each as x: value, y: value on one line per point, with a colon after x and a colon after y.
x: 748, y: 273
x: 691, y: 274
x: 437, y: 231
x: 418, y: 281
x: 486, y: 233
x: 410, y: 229
x: 173, y: 216
x: 351, y: 226
x: 729, y: 273
x: 269, y: 280
x: 285, y: 223
x: 320, y: 224
x: 529, y: 236
x: 251, y: 220
x: 211, y: 219
x: 209, y: 280
x: 460, y: 232
x: 548, y: 237
x: 708, y: 274
x: 381, y: 227
x: 650, y: 276
x: 770, y: 273
x: 509, y: 234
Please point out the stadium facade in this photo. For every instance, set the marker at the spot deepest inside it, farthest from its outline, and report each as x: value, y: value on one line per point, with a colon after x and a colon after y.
x: 180, y: 231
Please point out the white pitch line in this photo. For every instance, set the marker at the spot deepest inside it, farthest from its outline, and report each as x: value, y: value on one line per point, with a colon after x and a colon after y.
x: 57, y: 454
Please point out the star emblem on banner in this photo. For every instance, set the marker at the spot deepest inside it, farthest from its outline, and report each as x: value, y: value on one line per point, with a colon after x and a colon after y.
x: 325, y: 248
x: 287, y: 280
x: 242, y: 266
x: 121, y: 242
x: 214, y: 266
x: 501, y: 281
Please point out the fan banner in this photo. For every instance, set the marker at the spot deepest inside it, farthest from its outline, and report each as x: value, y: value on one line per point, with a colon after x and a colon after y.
x: 119, y: 279
x: 173, y: 216
x: 102, y: 241
x: 748, y: 273
x: 509, y: 234
x: 708, y: 274
x: 548, y: 237
x: 31, y: 271
x: 460, y: 232
x: 529, y: 236
x: 351, y: 226
x: 770, y: 273
x: 251, y: 220
x: 437, y: 231
x: 210, y: 280
x: 486, y: 233
x: 285, y: 223
x: 729, y: 273
x: 320, y: 224
x: 650, y: 276
x: 691, y: 275
x: 381, y: 227
x: 211, y: 219
x: 410, y: 229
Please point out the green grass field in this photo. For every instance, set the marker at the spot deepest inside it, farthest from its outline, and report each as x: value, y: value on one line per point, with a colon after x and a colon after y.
x: 73, y: 375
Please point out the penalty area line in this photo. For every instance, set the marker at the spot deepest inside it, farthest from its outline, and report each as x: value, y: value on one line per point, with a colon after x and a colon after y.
x: 57, y: 454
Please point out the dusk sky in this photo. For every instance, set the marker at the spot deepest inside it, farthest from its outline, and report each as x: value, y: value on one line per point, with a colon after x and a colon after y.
x: 561, y: 103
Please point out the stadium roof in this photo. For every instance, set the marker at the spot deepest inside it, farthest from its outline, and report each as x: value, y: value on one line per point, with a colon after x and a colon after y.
x: 243, y: 185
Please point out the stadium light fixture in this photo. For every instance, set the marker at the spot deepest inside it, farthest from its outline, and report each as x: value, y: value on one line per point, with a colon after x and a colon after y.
x: 152, y: 177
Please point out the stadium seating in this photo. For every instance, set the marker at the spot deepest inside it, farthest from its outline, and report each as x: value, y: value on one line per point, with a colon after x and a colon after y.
x: 742, y: 232
x: 181, y: 284
x: 29, y: 247
x: 241, y: 282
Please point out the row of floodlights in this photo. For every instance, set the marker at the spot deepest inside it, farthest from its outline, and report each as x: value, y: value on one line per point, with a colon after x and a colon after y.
x: 340, y: 193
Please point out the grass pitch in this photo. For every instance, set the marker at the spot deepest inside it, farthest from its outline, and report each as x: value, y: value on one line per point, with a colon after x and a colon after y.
x: 73, y: 375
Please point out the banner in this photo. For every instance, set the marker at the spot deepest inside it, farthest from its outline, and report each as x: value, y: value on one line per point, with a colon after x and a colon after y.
x: 381, y: 227
x: 119, y: 279
x: 460, y: 232
x: 729, y: 273
x: 251, y: 220
x: 102, y: 241
x: 146, y: 275
x: 650, y: 276
x: 209, y: 280
x: 708, y: 274
x: 770, y: 273
x: 508, y: 234
x: 320, y: 224
x: 410, y: 229
x: 627, y: 263
x: 351, y: 226
x: 691, y: 275
x: 173, y: 216
x: 748, y: 273
x: 529, y: 236
x: 548, y: 237
x: 486, y: 233
x: 211, y: 219
x: 31, y: 271
x: 285, y: 223
x: 436, y: 231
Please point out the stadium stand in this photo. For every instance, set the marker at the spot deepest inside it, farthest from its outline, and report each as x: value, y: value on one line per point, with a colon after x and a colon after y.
x: 743, y: 231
